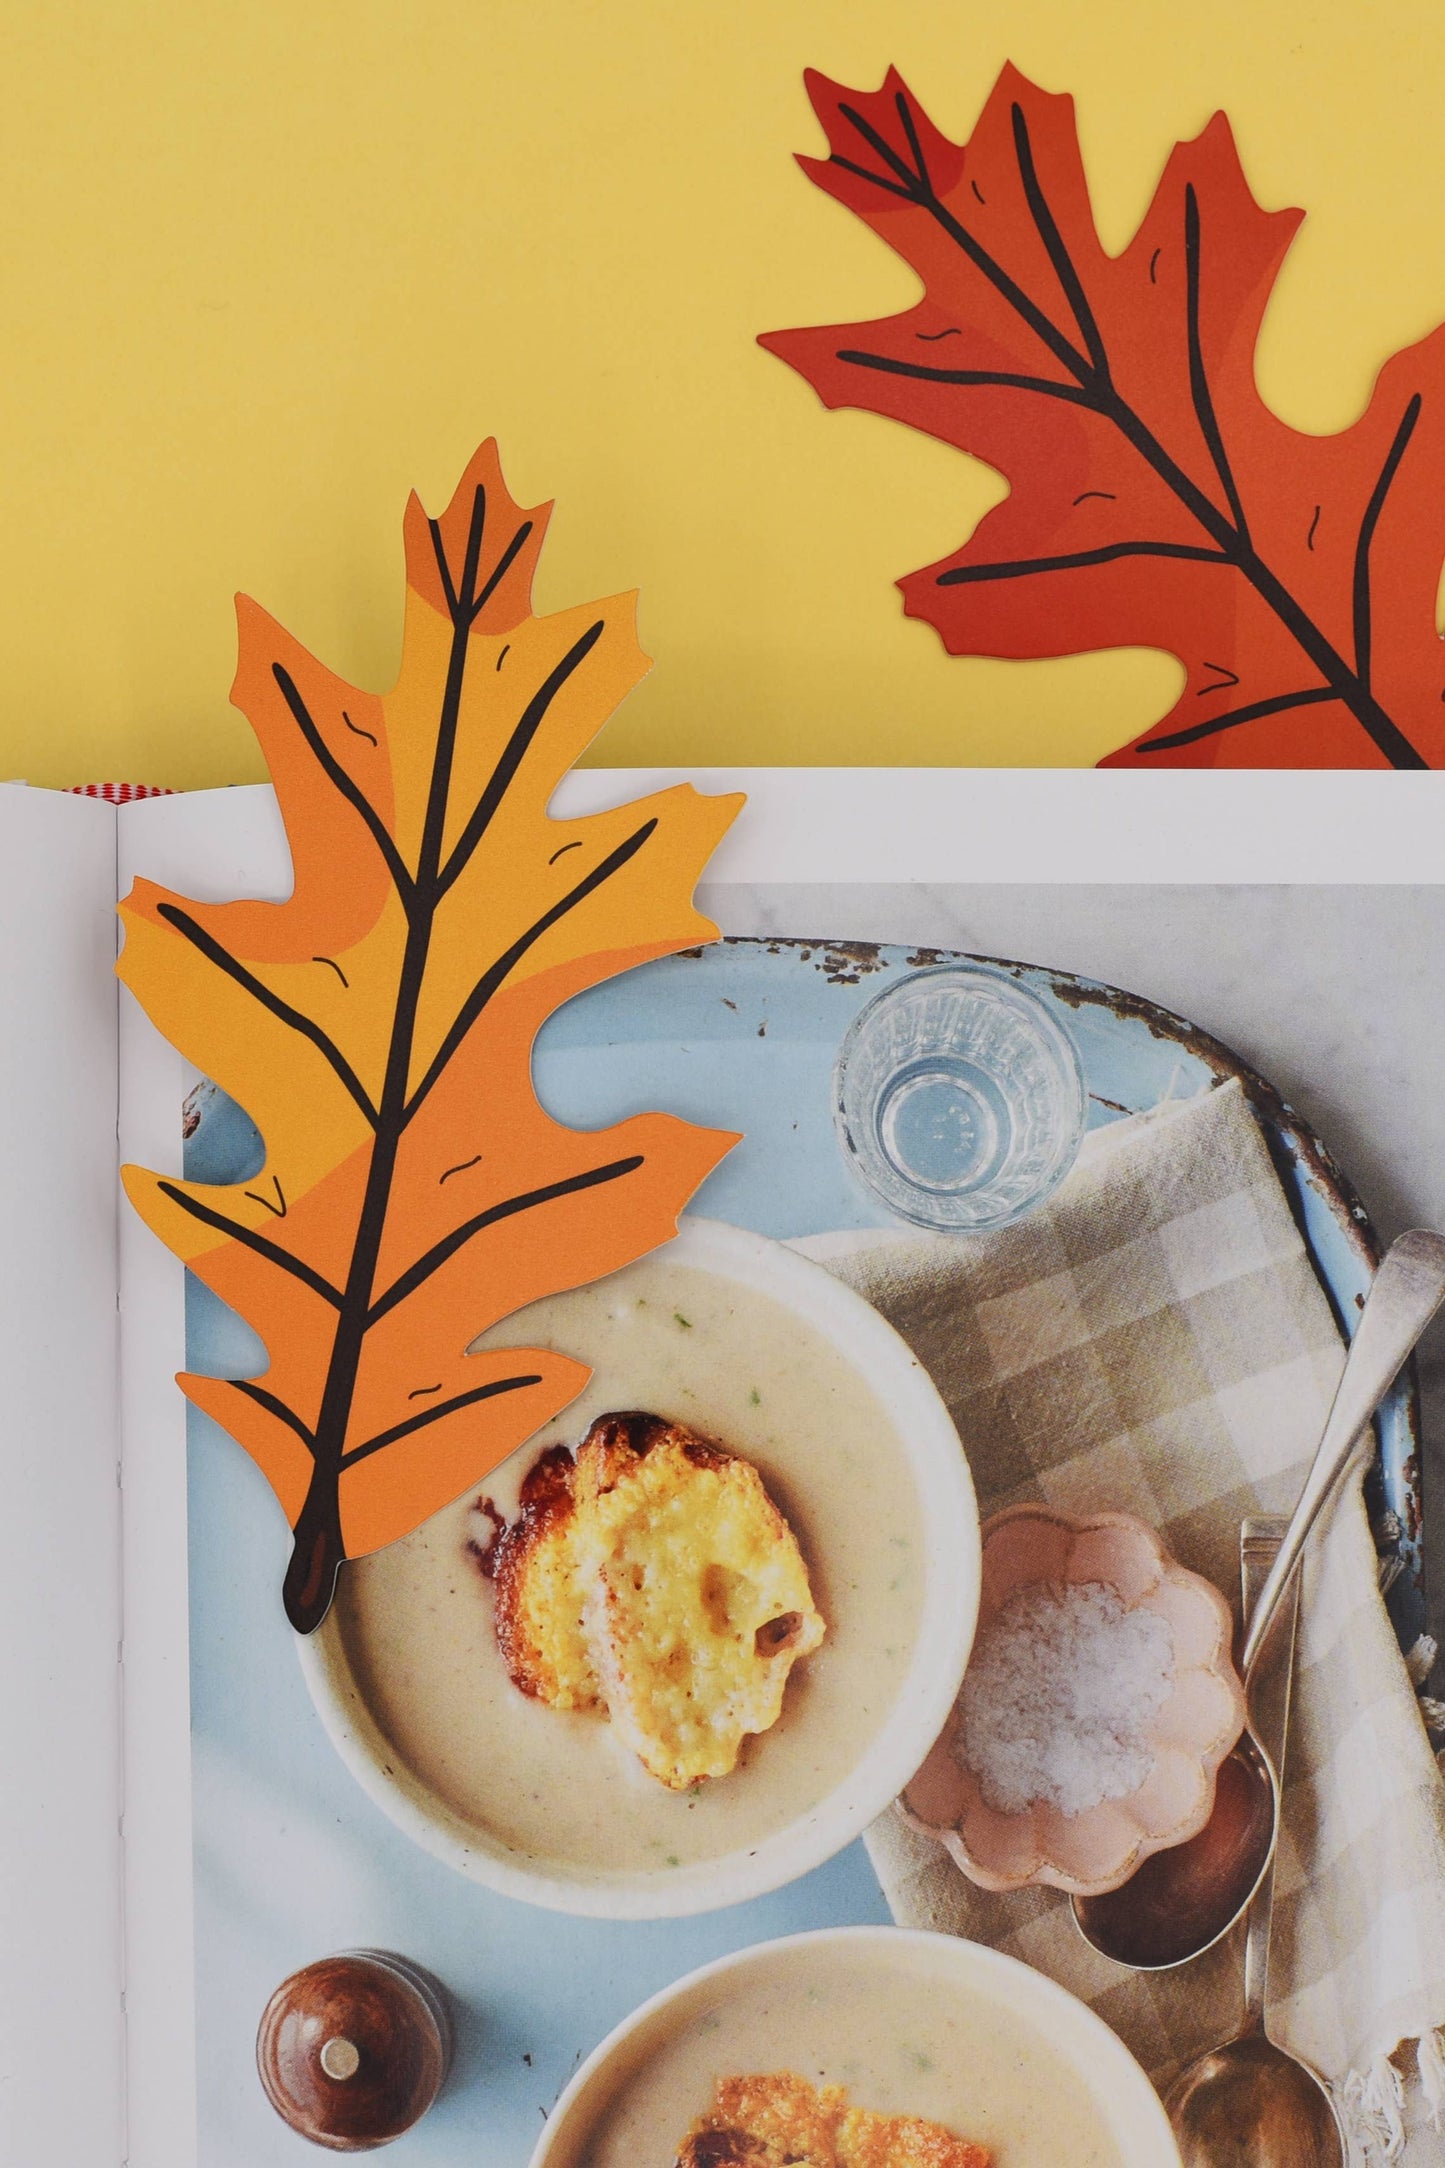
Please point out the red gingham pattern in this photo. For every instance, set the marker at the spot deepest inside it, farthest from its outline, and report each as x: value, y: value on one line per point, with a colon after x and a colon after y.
x: 120, y: 793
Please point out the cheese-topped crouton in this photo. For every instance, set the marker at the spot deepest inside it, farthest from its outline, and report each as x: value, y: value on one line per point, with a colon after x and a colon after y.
x: 783, y: 2119
x: 769, y: 2121
x: 654, y: 1575
x: 866, y: 2140
x: 697, y: 1598
x: 539, y: 1593
x: 730, y: 2149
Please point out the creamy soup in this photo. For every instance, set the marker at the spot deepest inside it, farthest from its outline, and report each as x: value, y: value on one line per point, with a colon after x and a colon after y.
x: 903, y: 2040
x: 558, y: 1789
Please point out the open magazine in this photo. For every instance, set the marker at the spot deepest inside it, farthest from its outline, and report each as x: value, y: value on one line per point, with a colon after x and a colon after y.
x: 199, y: 1802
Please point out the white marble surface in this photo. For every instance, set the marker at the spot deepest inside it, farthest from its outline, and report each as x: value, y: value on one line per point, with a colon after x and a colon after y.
x: 1336, y: 994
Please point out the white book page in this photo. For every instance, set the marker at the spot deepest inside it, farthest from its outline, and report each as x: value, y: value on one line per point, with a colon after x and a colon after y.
x: 213, y: 846
x: 60, y: 1912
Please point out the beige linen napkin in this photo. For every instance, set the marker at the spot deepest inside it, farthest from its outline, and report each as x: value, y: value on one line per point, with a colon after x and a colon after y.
x: 1155, y: 1339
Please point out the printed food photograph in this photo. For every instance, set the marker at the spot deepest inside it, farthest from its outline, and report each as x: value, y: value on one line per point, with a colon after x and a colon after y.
x: 801, y: 1512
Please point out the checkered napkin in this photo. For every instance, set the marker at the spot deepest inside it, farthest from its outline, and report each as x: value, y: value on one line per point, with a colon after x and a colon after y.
x: 1155, y: 1339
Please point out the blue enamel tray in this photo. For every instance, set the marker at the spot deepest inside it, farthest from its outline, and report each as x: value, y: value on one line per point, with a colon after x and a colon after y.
x: 292, y: 1860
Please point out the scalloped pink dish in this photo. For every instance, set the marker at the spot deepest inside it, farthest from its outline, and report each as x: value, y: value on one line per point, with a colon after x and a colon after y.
x: 1186, y: 1739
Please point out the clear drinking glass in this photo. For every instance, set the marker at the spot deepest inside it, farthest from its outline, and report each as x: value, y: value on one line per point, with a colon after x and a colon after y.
x: 958, y: 1098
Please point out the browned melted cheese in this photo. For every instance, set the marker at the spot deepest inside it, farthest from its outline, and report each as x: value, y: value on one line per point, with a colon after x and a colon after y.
x: 654, y: 1577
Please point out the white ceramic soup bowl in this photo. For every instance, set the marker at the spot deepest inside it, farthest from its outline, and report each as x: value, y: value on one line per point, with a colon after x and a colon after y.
x: 864, y: 1739
x: 909, y: 2023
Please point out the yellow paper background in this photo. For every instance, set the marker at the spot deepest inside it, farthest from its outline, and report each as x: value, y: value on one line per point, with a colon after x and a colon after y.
x: 268, y: 265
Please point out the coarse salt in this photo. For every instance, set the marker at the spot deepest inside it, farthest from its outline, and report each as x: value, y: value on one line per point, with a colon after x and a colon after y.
x: 1062, y: 1686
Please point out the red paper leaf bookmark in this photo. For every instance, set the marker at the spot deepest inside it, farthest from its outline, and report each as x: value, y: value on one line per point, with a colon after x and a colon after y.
x: 1155, y: 500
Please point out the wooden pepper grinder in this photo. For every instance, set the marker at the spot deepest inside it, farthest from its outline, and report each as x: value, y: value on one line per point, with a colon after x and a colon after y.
x: 353, y: 2050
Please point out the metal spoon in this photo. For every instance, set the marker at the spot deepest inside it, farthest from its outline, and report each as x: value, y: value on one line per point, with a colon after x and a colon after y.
x: 1248, y: 2103
x: 1181, y: 1901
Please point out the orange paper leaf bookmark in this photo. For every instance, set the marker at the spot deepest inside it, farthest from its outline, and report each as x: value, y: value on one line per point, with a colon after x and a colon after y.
x: 378, y: 1028
x: 1154, y: 500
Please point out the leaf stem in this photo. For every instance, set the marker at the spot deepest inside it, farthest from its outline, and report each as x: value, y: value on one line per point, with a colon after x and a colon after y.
x: 319, y: 1545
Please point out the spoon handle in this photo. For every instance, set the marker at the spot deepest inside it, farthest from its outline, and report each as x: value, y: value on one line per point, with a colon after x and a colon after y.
x: 1404, y: 1295
x: 1260, y: 1538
